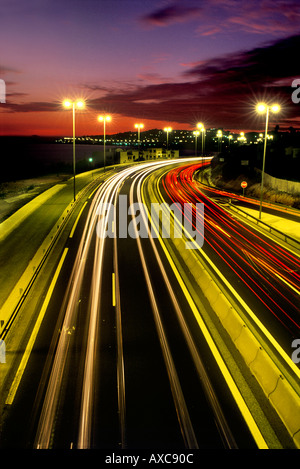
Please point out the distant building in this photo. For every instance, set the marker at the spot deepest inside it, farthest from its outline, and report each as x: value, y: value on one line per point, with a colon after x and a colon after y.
x: 292, y: 151
x: 129, y: 156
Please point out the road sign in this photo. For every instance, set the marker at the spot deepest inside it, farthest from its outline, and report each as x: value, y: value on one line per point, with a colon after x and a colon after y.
x: 244, y: 184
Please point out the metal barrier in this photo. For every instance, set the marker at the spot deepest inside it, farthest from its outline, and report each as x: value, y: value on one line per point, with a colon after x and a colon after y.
x: 288, y: 239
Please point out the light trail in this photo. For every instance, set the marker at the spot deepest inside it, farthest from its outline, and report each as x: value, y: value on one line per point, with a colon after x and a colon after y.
x: 106, y: 194
x: 243, y: 241
x: 219, y: 417
x: 29, y: 347
x: 180, y: 404
x: 228, y: 239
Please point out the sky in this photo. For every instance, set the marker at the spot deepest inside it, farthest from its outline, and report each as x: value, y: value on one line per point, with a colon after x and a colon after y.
x: 159, y: 62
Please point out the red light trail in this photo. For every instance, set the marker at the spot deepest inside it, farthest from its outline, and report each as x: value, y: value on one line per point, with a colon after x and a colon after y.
x: 266, y: 269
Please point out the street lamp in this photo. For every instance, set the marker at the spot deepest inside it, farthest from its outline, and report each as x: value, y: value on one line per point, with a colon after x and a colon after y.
x: 202, y: 130
x: 74, y: 105
x: 265, y: 108
x: 196, y: 133
x: 168, y: 129
x: 201, y: 127
x: 219, y: 135
x: 104, y: 119
x: 139, y: 127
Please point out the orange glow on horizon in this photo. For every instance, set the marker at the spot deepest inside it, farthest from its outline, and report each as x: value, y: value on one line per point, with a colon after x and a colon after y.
x: 54, y: 124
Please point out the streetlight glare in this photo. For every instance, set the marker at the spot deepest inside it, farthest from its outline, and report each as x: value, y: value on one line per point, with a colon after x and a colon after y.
x: 167, y: 129
x: 275, y: 108
x: 139, y: 126
x: 261, y: 107
x: 67, y: 103
x: 200, y: 125
x: 104, y: 118
x: 78, y: 104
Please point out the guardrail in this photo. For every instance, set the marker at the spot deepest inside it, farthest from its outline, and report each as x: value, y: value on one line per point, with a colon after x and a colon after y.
x: 288, y: 239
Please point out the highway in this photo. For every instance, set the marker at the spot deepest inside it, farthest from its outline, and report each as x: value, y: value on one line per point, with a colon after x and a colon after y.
x: 122, y: 349
x: 270, y: 273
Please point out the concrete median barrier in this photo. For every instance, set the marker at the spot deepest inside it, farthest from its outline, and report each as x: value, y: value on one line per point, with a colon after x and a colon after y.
x: 278, y: 390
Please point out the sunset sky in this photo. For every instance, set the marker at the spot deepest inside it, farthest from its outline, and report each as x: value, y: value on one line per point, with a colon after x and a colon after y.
x: 153, y: 61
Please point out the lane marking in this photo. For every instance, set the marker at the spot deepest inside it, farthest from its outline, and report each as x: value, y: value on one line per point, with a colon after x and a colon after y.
x: 29, y: 347
x: 243, y: 304
x: 113, y: 289
x: 255, y: 431
x: 77, y: 220
x: 94, y: 191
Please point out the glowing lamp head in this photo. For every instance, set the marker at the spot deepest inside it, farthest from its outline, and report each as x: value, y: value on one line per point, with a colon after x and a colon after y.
x: 80, y: 104
x: 167, y: 129
x: 104, y: 118
x: 275, y: 108
x: 67, y: 103
x: 200, y: 125
x: 261, y: 107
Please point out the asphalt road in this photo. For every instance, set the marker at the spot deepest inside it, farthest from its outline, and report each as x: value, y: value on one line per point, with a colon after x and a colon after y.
x: 266, y: 275
x: 118, y: 360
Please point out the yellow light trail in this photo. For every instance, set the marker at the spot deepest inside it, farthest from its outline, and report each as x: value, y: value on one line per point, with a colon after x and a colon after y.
x: 77, y: 220
x: 255, y: 431
x: 113, y: 290
x: 28, y: 350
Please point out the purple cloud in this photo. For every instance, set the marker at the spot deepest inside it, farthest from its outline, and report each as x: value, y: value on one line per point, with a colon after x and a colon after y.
x: 171, y: 14
x: 223, y: 89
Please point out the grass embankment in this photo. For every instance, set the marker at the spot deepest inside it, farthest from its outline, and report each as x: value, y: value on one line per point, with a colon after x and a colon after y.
x: 15, y: 194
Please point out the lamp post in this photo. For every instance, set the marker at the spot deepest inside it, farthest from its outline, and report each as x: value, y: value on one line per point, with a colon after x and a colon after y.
x: 104, y: 119
x: 202, y: 130
x: 196, y: 133
x: 219, y: 135
x: 74, y: 105
x: 139, y: 127
x: 265, y: 108
x: 201, y: 127
x: 168, y: 129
